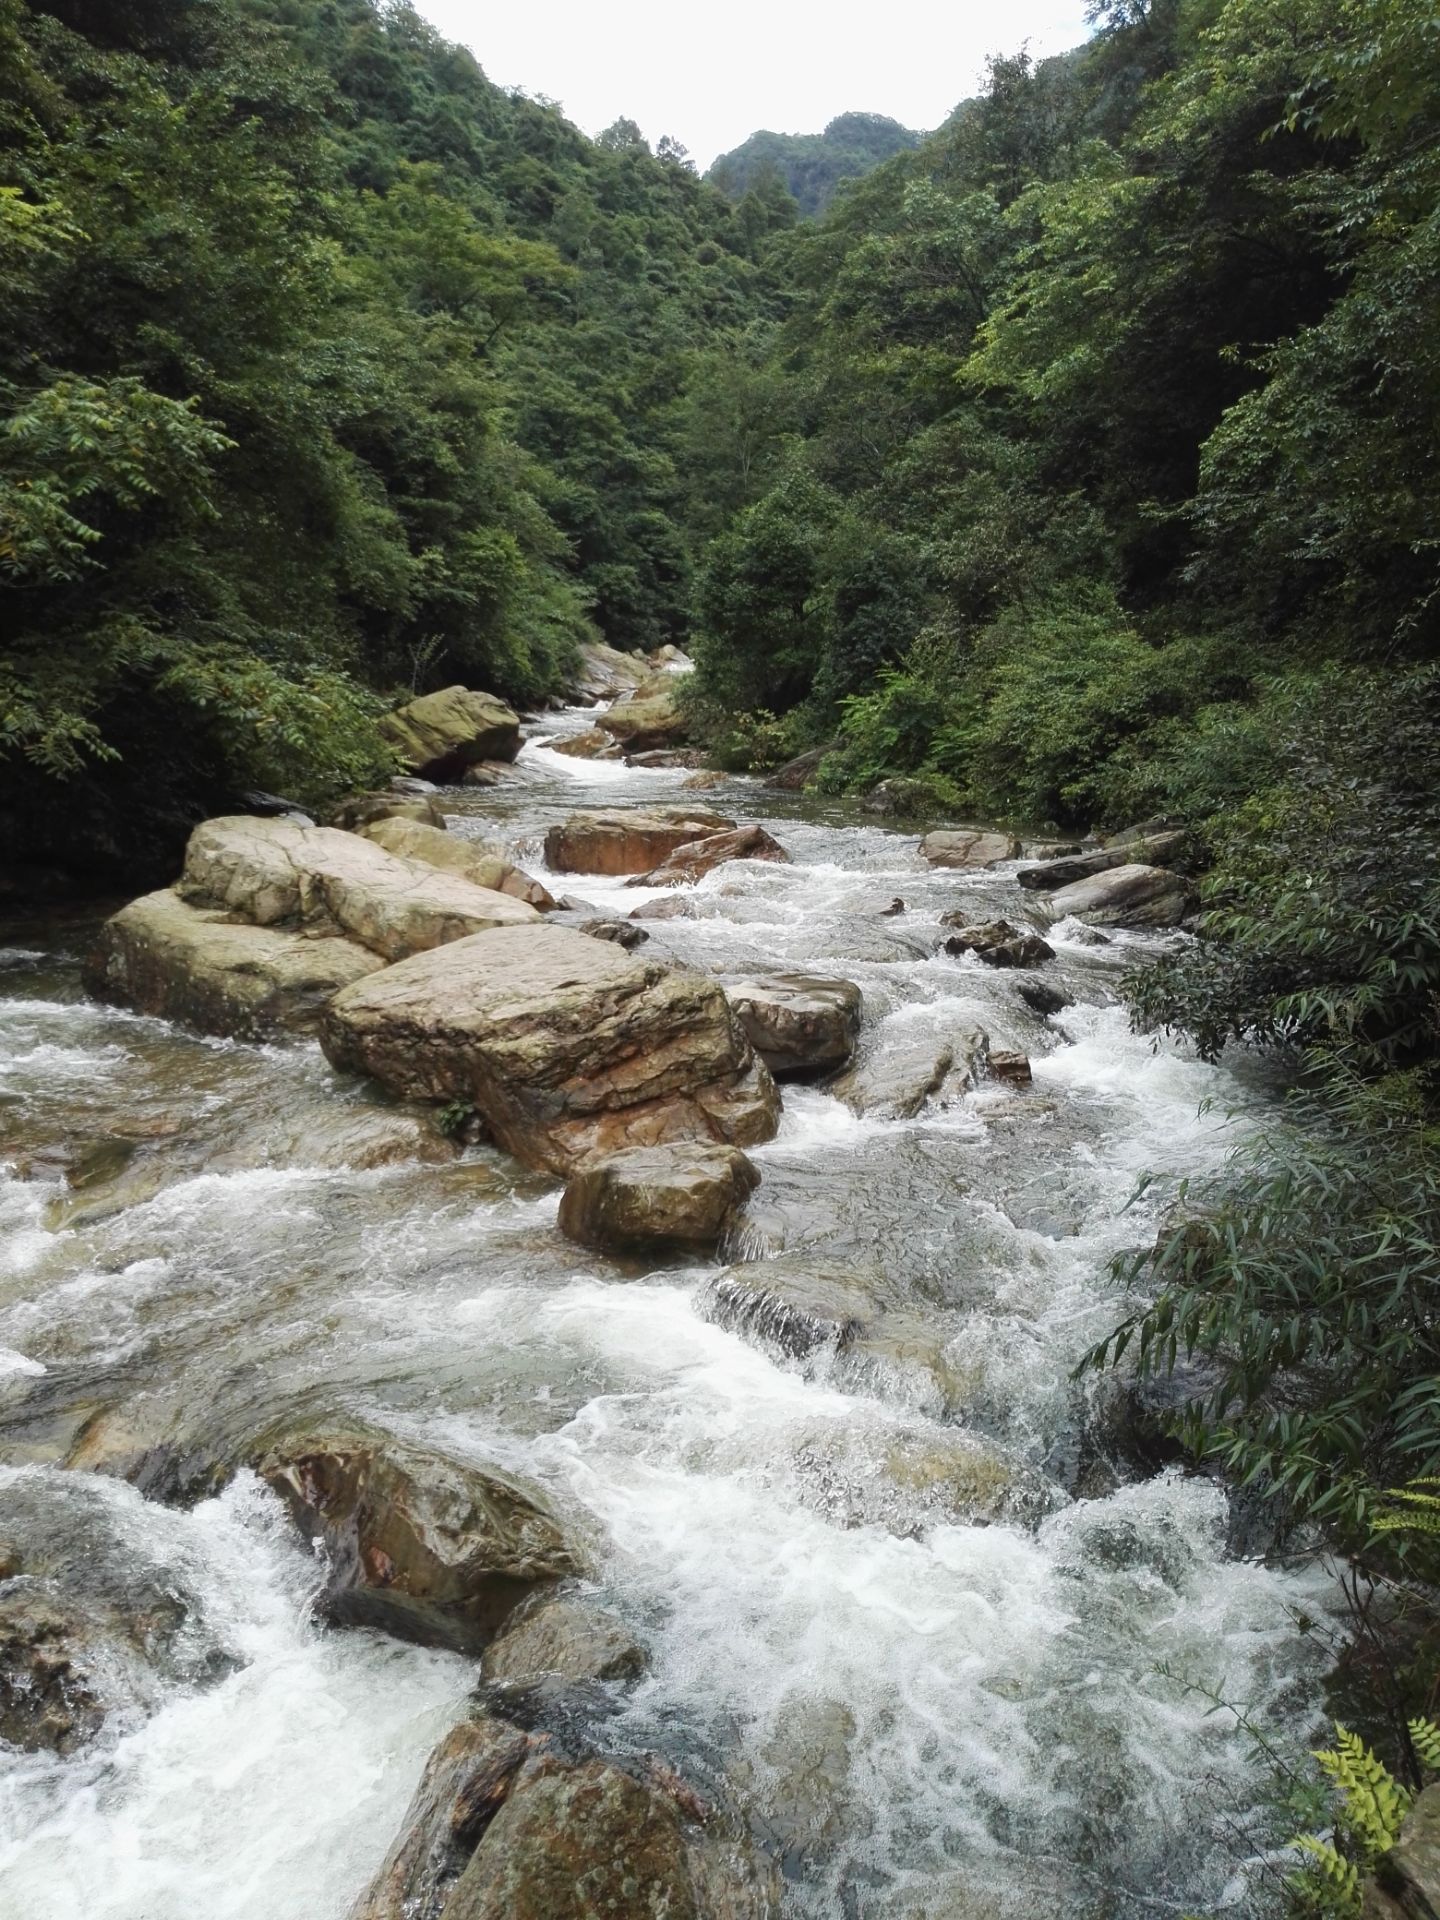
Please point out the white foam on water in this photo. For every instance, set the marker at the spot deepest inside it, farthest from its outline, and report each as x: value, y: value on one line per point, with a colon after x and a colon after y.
x: 271, y: 1795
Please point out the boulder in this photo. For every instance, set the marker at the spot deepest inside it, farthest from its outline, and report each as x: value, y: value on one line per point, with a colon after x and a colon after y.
x: 487, y: 773
x: 1011, y: 1067
x: 627, y: 840
x: 197, y: 966
x: 696, y: 858
x: 509, y: 1824
x: 425, y: 1546
x: 590, y: 745
x: 996, y: 942
x: 274, y: 871
x: 703, y: 779
x: 649, y: 717
x: 665, y: 757
x: 1151, y: 849
x: 605, y: 673
x: 568, y: 1047
x: 799, y: 772
x: 561, y: 1637
x: 798, y: 1023
x: 675, y: 1196
x: 481, y: 865
x: 1127, y: 896
x: 1044, y: 999
x: 909, y: 1064
x: 676, y: 907
x: 673, y: 659
x: 361, y: 809
x: 441, y: 734
x: 968, y: 847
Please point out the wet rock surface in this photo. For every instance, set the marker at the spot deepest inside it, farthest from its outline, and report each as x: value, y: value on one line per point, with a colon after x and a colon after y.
x: 456, y: 853
x: 428, y: 1547
x: 562, y: 1637
x: 676, y: 1196
x: 996, y: 942
x: 1123, y: 896
x: 968, y: 847
x: 905, y: 1067
x: 627, y: 840
x: 800, y: 1024
x: 696, y: 858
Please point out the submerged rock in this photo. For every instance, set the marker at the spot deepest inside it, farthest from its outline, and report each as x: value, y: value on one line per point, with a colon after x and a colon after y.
x: 569, y: 1048
x: 441, y: 734
x: 968, y: 847
x: 679, y: 1196
x: 1044, y: 999
x: 426, y: 1546
x: 627, y: 840
x: 197, y: 966
x: 454, y: 852
x: 1126, y: 896
x: 798, y: 1023
x: 696, y: 858
x: 1012, y: 1067
x: 704, y: 778
x: 908, y: 1064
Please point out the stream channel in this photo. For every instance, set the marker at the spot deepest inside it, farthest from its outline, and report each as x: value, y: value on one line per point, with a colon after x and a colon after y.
x: 933, y: 1704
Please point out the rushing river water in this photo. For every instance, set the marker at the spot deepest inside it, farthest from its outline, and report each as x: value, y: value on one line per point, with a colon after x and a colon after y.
x: 925, y: 1716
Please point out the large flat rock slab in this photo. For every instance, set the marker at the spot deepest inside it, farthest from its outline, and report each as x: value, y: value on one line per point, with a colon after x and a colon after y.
x: 1152, y: 849
x: 695, y: 858
x: 569, y: 1048
x: 968, y: 847
x: 481, y: 865
x: 441, y: 734
x: 198, y: 966
x: 627, y: 839
x: 1127, y: 896
x: 275, y: 872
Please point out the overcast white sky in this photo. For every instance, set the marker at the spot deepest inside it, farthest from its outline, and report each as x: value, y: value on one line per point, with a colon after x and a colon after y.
x: 710, y: 78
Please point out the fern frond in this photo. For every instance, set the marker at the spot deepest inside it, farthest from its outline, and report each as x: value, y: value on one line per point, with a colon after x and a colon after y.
x: 1335, y: 1879
x: 1373, y: 1803
x: 1425, y: 1738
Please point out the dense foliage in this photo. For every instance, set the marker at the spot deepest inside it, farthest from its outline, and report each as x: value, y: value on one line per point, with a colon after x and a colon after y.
x: 812, y: 165
x: 330, y: 371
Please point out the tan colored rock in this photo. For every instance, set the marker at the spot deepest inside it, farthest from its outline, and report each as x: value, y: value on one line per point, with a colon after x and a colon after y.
x: 606, y: 673
x: 441, y: 734
x: 274, y: 871
x: 968, y: 847
x: 561, y: 1637
x: 627, y: 839
x: 195, y: 965
x: 703, y: 779
x: 482, y: 866
x: 590, y: 745
x: 648, y: 718
x: 798, y: 1023
x: 361, y: 809
x: 1129, y: 896
x: 695, y: 858
x: 676, y: 1196
x: 568, y: 1047
x: 423, y: 1545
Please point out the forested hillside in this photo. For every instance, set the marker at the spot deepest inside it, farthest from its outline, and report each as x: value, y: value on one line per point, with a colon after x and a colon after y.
x: 330, y: 370
x: 813, y: 165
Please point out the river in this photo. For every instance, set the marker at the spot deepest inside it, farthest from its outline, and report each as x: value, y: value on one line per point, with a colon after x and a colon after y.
x: 926, y: 1716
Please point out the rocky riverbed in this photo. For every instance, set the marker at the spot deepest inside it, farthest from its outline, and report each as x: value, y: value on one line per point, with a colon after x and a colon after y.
x: 495, y: 1418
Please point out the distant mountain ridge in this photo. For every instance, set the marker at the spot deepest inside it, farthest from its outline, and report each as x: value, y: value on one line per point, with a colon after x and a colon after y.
x: 813, y: 165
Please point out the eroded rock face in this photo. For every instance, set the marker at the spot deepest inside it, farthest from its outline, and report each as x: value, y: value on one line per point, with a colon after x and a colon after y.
x: 996, y: 942
x: 570, y: 1048
x: 627, y: 840
x: 425, y: 1546
x: 562, y: 1637
x: 1152, y: 849
x: 798, y: 1023
x: 455, y: 853
x: 968, y: 847
x: 272, y: 871
x: 1128, y: 896
x: 696, y: 858
x: 682, y: 1196
x: 197, y: 966
x: 906, y: 1064
x: 441, y: 734
x: 514, y: 1825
